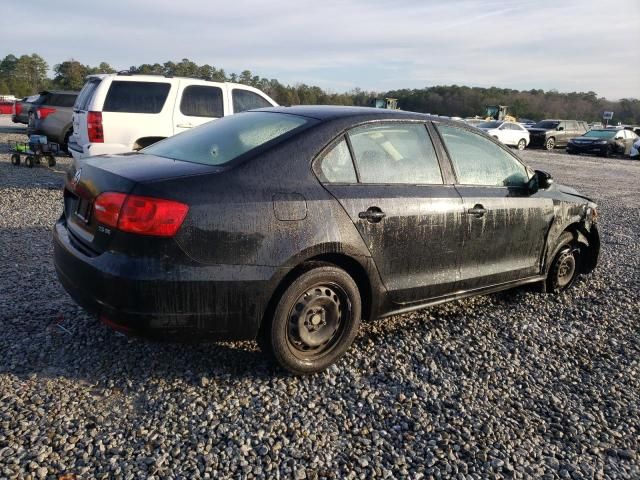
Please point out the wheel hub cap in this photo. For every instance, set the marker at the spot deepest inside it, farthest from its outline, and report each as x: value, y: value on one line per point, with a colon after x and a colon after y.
x: 315, y: 318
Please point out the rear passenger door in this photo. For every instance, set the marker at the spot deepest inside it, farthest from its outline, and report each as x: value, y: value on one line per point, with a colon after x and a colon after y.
x: 388, y: 178
x: 197, y: 104
x: 505, y: 226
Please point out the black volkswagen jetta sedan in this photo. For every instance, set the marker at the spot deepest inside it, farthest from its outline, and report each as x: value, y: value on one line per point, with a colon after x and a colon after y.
x: 290, y: 225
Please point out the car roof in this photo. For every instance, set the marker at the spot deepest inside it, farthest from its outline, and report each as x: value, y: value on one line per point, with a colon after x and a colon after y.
x: 334, y: 112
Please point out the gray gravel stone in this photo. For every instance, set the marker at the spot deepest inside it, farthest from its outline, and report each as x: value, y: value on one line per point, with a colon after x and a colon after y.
x: 516, y: 384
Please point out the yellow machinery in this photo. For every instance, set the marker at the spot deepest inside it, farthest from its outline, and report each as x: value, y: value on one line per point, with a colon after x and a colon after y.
x: 388, y: 103
x: 498, y: 112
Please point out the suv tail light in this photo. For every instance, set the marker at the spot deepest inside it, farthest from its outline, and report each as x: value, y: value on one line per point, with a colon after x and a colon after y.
x: 44, y: 112
x: 17, y: 108
x: 142, y: 215
x: 94, y: 127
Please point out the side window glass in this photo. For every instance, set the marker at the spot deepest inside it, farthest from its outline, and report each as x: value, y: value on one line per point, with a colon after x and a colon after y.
x: 136, y: 97
x: 478, y: 161
x: 244, y: 100
x: 395, y: 153
x: 337, y: 166
x: 202, y: 101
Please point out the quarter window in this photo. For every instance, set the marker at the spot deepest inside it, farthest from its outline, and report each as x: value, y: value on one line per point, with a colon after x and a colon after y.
x: 479, y: 161
x: 244, y: 100
x: 202, y: 101
x: 395, y: 153
x: 337, y: 166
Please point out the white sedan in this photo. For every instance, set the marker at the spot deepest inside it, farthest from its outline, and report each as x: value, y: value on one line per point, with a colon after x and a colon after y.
x: 509, y: 133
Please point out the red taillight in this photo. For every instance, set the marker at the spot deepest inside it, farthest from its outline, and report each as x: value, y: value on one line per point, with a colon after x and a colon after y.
x: 143, y: 215
x: 17, y: 108
x: 94, y: 127
x: 44, y: 112
x: 107, y: 208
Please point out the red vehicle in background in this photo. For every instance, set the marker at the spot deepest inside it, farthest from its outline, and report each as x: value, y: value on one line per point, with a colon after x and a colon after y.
x: 6, y: 104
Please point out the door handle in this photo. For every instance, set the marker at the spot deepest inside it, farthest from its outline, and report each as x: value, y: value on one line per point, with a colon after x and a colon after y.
x: 372, y: 214
x: 477, y: 211
x: 184, y: 125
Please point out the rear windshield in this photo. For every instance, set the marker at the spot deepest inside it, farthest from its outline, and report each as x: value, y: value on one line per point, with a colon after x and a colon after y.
x: 86, y: 94
x: 61, y: 99
x: 220, y: 141
x: 600, y: 133
x: 546, y: 124
x: 136, y: 97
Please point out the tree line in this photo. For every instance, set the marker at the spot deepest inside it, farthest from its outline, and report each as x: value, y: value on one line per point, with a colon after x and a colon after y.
x: 28, y: 74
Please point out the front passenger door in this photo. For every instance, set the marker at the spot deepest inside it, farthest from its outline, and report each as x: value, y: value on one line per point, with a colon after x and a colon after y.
x: 505, y: 226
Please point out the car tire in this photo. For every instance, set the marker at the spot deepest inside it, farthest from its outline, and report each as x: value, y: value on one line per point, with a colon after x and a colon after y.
x: 522, y: 144
x: 51, y: 160
x: 29, y: 161
x: 315, y: 320
x: 550, y: 144
x: 15, y: 159
x: 565, y: 266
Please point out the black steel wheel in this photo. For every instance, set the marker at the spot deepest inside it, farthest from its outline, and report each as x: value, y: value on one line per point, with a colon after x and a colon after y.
x: 29, y: 161
x: 315, y: 320
x: 522, y: 144
x: 15, y: 159
x: 565, y: 266
x: 550, y: 143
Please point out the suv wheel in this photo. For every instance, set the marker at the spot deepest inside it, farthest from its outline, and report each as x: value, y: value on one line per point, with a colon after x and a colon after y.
x: 550, y: 144
x: 315, y: 320
x: 565, y: 265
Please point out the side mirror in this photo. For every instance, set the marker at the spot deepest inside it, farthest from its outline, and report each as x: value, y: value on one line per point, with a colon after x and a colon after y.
x: 560, y: 129
x: 540, y: 181
x: 545, y: 180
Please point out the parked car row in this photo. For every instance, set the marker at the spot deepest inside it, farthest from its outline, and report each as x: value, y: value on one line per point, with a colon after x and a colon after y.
x: 116, y: 113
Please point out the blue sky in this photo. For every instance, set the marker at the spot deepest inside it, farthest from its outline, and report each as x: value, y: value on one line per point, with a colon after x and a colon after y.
x: 569, y: 45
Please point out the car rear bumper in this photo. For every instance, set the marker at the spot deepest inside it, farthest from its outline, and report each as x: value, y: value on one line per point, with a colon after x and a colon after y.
x: 537, y: 141
x: 92, y: 149
x: 153, y: 297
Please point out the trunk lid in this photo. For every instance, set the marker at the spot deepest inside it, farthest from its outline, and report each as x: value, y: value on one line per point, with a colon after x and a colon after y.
x: 116, y: 173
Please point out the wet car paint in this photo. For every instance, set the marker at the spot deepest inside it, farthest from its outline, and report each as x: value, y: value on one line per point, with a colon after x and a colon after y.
x: 251, y: 227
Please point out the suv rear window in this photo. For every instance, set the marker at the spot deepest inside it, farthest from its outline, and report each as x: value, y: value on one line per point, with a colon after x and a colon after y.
x: 220, y: 142
x: 86, y: 94
x: 202, y: 101
x: 136, y: 97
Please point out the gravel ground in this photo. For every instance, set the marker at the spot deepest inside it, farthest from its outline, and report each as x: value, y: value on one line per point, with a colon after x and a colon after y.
x: 511, y: 385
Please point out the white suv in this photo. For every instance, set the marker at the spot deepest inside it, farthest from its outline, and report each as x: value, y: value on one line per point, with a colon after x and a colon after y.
x: 121, y: 112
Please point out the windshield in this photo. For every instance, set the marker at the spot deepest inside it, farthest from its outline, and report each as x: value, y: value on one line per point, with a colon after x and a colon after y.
x: 220, y: 141
x: 489, y: 125
x: 600, y: 133
x: 546, y: 124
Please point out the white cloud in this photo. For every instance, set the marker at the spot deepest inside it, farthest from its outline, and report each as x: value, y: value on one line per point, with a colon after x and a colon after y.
x: 373, y: 44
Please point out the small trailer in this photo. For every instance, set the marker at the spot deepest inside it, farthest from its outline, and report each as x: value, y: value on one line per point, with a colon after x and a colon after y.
x: 34, y: 150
